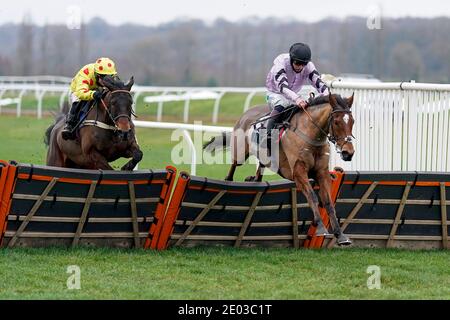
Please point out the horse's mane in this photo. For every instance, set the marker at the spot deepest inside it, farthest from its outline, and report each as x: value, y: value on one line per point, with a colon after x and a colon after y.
x: 326, y: 99
x: 318, y: 100
x: 113, y: 82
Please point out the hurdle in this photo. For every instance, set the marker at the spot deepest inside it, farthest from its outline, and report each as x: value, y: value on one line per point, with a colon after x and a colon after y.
x: 53, y: 206
x: 239, y: 214
x: 157, y: 209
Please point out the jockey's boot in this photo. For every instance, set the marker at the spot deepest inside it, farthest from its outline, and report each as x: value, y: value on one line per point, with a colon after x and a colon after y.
x: 273, y: 120
x: 71, y: 121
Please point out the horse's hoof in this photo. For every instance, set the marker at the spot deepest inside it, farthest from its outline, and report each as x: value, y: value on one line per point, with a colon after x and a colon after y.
x: 250, y: 179
x: 321, y: 231
x: 323, y: 234
x: 343, y: 241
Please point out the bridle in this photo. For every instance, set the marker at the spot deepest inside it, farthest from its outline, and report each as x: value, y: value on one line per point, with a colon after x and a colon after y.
x: 330, y: 134
x: 121, y: 115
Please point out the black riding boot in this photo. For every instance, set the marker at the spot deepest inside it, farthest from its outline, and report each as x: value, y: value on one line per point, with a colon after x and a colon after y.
x: 274, y: 118
x: 71, y: 121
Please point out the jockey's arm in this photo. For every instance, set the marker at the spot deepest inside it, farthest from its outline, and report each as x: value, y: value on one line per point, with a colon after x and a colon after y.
x: 314, y: 79
x: 82, y: 90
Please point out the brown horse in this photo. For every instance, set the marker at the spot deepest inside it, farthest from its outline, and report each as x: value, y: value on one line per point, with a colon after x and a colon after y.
x: 304, y: 151
x: 106, y: 134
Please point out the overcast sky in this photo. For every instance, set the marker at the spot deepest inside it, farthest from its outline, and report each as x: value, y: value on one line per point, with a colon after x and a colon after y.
x: 153, y: 12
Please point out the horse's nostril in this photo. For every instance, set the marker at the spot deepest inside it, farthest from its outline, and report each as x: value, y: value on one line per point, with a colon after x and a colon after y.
x: 346, y: 156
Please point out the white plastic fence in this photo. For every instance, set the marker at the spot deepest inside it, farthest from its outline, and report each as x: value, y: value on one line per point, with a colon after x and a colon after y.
x: 40, y: 90
x: 398, y: 126
x: 186, y: 127
x: 35, y: 79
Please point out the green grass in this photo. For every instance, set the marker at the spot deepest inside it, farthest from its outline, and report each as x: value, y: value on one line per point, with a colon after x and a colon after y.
x: 223, y: 273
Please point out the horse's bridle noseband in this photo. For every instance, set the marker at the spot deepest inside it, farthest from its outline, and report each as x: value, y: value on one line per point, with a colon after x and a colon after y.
x: 331, y: 136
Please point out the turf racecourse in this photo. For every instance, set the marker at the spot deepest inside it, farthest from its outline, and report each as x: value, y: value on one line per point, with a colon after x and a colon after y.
x: 204, y: 273
x: 223, y: 273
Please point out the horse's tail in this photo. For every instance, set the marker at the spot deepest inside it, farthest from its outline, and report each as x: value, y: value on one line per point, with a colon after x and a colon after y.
x: 218, y: 142
x: 48, y: 132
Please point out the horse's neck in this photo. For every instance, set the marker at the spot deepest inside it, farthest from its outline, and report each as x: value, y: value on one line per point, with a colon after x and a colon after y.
x: 319, y: 115
x: 98, y: 113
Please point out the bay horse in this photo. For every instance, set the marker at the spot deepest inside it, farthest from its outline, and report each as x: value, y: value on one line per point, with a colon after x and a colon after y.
x: 304, y: 151
x: 106, y: 134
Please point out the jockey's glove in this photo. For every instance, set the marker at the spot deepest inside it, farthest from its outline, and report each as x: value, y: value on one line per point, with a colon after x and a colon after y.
x: 301, y: 103
x: 98, y: 93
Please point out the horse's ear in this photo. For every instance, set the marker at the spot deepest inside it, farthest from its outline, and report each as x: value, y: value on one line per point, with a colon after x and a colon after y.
x: 108, y: 82
x: 332, y: 100
x: 350, y: 100
x: 130, y: 83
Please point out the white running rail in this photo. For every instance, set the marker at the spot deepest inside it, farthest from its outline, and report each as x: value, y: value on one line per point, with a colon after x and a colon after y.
x: 398, y: 125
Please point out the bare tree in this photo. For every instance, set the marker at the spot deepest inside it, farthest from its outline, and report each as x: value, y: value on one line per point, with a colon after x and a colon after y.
x: 405, y: 62
x: 83, y: 45
x: 5, y: 66
x: 24, y: 55
x: 43, y: 48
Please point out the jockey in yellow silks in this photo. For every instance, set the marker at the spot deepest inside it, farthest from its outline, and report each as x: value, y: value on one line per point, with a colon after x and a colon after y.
x: 84, y: 87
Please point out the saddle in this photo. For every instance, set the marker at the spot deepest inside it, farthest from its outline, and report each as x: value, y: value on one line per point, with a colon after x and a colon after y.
x: 261, y: 124
x: 283, y: 123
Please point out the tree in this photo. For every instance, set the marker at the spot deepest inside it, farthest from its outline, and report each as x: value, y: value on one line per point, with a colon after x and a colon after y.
x: 43, y: 65
x: 24, y: 57
x: 5, y: 66
x: 405, y: 62
x: 83, y: 45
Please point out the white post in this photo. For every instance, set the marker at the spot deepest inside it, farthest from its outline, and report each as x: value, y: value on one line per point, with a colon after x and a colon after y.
x: 160, y: 107
x: 19, y: 103
x: 186, y: 108
x: 187, y: 136
x: 1, y: 96
x: 135, y: 99
x: 216, y: 107
x: 61, y: 100
x: 136, y: 168
x: 412, y: 128
x: 40, y: 96
x: 248, y: 100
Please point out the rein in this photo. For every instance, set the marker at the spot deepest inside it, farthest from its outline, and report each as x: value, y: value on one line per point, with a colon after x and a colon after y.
x: 113, y: 119
x: 329, y: 135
